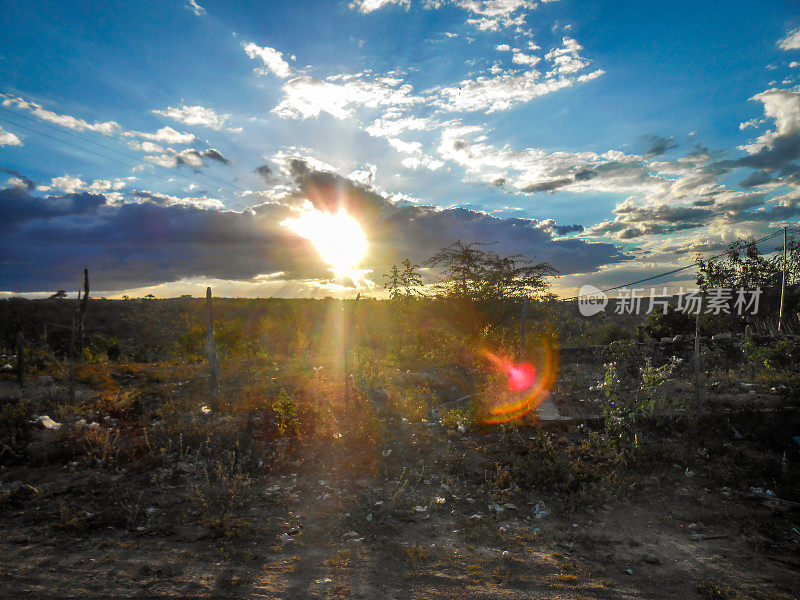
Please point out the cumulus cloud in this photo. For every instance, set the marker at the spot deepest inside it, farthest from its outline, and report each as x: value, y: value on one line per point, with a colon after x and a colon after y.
x: 9, y: 139
x: 194, y: 115
x: 272, y: 59
x: 18, y: 179
x: 368, y: 6
x: 159, y: 238
x: 508, y: 88
x: 791, y: 41
x: 306, y: 97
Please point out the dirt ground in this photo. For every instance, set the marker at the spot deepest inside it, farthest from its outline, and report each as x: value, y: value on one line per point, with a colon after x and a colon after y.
x: 416, y: 531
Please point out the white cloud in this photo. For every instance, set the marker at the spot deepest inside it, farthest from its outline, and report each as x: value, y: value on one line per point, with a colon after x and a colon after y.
x: 784, y: 107
x: 193, y: 6
x: 9, y: 139
x: 272, y: 59
x: 106, y: 128
x: 791, y: 41
x: 166, y: 135
x: 306, y: 97
x: 194, y: 115
x: 367, y: 6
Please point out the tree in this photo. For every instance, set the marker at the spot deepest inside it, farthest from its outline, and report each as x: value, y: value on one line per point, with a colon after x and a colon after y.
x: 488, y: 282
x: 403, y: 283
x: 484, y: 276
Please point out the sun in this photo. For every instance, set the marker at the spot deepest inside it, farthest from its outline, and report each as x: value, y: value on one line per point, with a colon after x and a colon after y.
x: 337, y: 237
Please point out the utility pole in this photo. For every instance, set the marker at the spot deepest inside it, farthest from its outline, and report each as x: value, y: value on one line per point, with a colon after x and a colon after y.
x: 783, y: 282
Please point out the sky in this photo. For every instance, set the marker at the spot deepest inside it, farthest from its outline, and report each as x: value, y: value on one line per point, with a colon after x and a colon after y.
x: 167, y: 146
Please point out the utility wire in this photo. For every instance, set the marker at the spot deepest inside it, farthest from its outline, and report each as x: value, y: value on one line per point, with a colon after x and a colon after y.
x: 678, y: 270
x: 135, y: 158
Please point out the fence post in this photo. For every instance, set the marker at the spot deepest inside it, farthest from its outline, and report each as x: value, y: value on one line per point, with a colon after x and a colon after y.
x: 211, y: 350
x: 20, y: 358
x: 71, y: 354
x: 349, y: 328
x: 82, y: 304
x: 697, y: 348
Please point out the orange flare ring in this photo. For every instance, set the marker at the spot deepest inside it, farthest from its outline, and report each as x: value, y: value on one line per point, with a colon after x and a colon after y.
x: 529, y: 399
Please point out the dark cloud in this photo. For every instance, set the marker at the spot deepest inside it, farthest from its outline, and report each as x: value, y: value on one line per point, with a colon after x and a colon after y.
x: 265, y: 171
x: 585, y: 175
x: 785, y: 149
x: 655, y: 145
x: 193, y: 158
x: 46, y: 241
x: 29, y: 184
x: 566, y: 229
x: 546, y: 186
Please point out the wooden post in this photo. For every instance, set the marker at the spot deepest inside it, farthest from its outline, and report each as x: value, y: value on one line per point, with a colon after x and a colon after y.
x: 522, y: 332
x: 20, y: 358
x: 82, y: 304
x: 348, y: 333
x: 783, y: 282
x: 697, y: 349
x: 211, y: 350
x: 71, y: 353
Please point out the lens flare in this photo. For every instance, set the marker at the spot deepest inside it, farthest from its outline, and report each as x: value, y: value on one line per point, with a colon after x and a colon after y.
x: 528, y: 384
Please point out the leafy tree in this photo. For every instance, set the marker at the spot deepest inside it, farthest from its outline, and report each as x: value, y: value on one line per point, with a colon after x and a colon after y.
x: 488, y: 284
x: 403, y: 283
x: 484, y: 276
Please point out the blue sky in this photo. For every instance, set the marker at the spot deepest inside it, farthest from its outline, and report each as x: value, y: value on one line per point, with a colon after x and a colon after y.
x: 660, y: 130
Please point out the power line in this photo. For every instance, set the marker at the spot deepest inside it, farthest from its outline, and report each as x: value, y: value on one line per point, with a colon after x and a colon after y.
x: 135, y: 158
x: 673, y: 271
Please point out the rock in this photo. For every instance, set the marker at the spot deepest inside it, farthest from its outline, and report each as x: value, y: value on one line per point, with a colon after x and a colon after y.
x: 47, y: 422
x: 651, y: 559
x: 722, y: 336
x: 678, y: 338
x: 44, y: 380
x: 185, y: 467
x: 191, y: 533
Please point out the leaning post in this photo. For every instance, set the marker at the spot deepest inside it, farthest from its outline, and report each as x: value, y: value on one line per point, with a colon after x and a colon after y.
x: 211, y: 350
x: 20, y: 358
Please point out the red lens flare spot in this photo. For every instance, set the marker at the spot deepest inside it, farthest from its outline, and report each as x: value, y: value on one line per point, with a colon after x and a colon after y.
x: 520, y: 377
x: 526, y: 386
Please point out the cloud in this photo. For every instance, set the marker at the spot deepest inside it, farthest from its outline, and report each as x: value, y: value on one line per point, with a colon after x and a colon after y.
x: 655, y: 145
x: 19, y: 180
x: 159, y: 238
x: 265, y: 171
x: 190, y: 158
x: 167, y: 135
x: 509, y: 88
x: 194, y: 115
x: 106, y: 128
x: 306, y: 97
x: 272, y: 59
x: 368, y: 6
x: 791, y: 41
x: 9, y: 139
x: 193, y: 6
